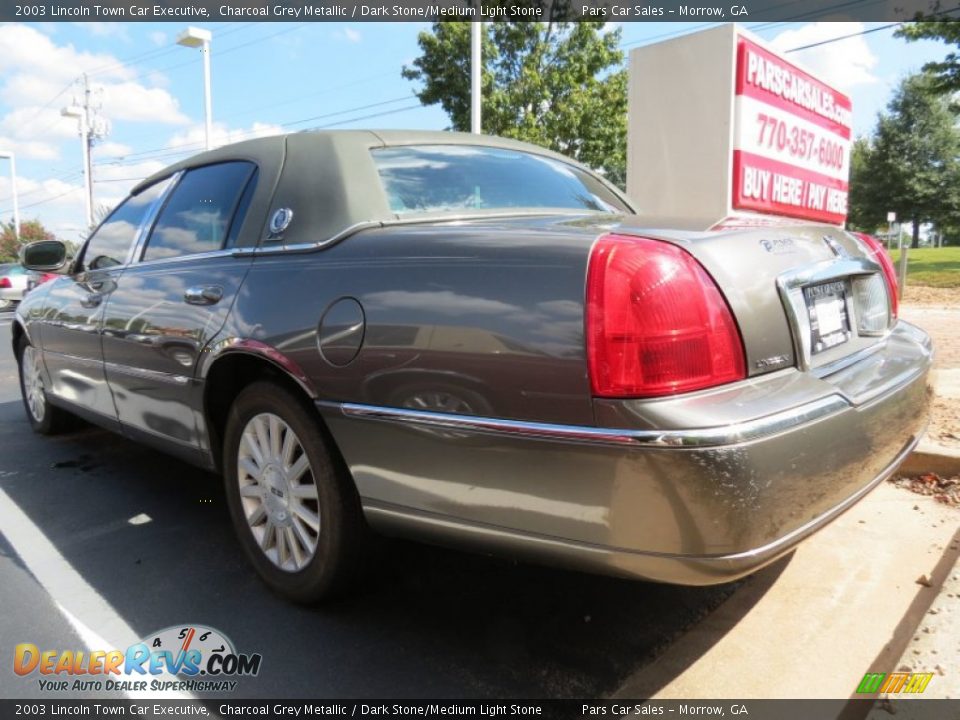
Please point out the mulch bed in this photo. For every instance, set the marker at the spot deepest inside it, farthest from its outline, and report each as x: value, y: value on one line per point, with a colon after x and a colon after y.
x: 945, y: 490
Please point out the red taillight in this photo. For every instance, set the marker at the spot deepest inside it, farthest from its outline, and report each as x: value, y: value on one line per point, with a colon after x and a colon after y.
x: 656, y: 322
x: 878, y: 253
x: 5, y: 282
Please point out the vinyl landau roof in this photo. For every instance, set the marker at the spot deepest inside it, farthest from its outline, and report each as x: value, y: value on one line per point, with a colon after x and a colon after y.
x: 328, y: 178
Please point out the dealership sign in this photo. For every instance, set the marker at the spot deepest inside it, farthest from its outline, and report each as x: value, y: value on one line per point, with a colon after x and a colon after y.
x: 723, y: 131
x: 791, y: 148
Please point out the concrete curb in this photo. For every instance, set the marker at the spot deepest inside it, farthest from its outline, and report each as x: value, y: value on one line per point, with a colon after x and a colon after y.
x: 928, y: 458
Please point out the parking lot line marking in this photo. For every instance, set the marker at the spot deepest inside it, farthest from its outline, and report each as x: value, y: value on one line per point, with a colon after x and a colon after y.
x: 81, y: 605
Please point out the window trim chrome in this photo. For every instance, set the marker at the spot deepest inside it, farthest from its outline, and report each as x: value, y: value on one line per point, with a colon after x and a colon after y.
x: 142, y: 229
x: 279, y: 247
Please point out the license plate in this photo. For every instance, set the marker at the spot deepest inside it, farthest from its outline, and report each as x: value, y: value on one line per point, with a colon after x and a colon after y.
x: 827, y: 310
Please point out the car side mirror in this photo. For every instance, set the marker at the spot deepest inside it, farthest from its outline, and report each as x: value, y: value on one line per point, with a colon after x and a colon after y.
x: 44, y: 255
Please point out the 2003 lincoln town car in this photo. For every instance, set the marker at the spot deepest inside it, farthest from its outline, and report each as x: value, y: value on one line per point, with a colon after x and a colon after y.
x: 477, y: 342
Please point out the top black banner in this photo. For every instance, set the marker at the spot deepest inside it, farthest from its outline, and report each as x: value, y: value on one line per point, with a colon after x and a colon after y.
x: 487, y: 10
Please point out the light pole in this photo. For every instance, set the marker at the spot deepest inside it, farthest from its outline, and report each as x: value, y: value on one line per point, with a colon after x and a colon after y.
x: 476, y: 67
x: 80, y: 113
x: 198, y: 38
x: 13, y: 187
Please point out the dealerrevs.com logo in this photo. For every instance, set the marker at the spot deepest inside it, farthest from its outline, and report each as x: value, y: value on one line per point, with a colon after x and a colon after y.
x: 185, y: 658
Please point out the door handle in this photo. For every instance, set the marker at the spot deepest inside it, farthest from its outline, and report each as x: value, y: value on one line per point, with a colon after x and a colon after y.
x: 203, y: 295
x: 92, y: 300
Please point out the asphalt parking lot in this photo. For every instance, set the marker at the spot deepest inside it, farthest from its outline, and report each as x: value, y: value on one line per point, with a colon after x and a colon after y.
x: 426, y: 622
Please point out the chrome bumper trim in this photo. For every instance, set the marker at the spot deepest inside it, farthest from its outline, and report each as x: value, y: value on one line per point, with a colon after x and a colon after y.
x: 697, y: 437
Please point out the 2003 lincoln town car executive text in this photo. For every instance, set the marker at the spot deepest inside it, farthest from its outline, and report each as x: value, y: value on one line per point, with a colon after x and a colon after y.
x: 477, y: 342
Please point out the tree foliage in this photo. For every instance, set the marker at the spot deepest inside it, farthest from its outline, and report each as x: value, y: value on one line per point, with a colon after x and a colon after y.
x: 911, y: 166
x: 946, y: 73
x: 864, y: 211
x: 556, y: 84
x: 30, y: 231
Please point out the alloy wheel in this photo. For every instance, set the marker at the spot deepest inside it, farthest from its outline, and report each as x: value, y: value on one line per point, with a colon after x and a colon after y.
x: 33, y: 383
x: 278, y: 492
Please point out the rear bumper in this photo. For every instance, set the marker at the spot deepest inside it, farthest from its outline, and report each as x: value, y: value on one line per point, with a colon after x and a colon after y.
x: 11, y: 294
x: 692, y: 505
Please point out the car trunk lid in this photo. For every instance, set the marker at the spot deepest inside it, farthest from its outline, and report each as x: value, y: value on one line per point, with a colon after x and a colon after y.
x: 805, y: 296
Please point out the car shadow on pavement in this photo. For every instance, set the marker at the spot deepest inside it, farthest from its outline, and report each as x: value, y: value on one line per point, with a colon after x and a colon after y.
x: 425, y: 622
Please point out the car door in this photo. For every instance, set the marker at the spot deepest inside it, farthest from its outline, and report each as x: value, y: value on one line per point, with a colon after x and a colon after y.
x: 171, y: 300
x: 73, y: 307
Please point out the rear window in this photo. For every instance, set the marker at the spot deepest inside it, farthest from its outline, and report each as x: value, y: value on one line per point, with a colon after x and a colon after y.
x: 452, y: 178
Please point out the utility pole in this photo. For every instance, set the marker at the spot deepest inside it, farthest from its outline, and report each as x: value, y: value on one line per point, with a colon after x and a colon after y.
x: 93, y: 127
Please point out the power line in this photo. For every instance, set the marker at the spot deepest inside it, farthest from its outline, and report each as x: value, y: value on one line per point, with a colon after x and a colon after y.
x: 844, y: 37
x: 47, y: 104
x: 153, y: 54
x: 158, y: 153
x: 415, y: 106
x: 45, y: 201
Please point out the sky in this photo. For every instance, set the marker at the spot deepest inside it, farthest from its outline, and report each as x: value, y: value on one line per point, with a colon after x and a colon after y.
x: 271, y: 77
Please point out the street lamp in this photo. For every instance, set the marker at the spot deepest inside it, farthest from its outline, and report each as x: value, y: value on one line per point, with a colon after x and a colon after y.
x: 476, y: 70
x: 75, y: 111
x: 13, y: 187
x: 198, y: 38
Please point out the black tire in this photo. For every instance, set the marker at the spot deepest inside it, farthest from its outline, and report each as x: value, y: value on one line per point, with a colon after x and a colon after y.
x: 340, y: 537
x: 51, y: 420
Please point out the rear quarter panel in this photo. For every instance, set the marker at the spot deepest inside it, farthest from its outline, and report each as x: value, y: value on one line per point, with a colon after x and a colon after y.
x: 494, y: 317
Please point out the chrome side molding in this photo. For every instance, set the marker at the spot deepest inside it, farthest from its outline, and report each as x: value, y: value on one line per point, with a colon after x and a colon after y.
x: 699, y: 437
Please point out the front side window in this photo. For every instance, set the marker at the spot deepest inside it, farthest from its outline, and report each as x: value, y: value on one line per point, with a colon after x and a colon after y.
x: 200, y: 211
x: 457, y: 178
x: 111, y: 243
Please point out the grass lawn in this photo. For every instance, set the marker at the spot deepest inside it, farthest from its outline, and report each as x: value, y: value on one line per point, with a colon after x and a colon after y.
x: 934, y: 267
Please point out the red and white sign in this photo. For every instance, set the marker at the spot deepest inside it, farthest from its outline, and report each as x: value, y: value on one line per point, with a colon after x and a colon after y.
x: 791, y: 145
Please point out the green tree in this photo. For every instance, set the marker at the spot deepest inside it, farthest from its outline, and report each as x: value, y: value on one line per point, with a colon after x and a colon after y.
x: 556, y: 84
x: 30, y: 231
x: 946, y: 73
x: 863, y: 211
x: 911, y: 166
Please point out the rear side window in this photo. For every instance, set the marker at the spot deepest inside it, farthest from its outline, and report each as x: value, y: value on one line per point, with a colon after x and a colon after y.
x: 201, y: 210
x: 111, y: 242
x: 439, y: 178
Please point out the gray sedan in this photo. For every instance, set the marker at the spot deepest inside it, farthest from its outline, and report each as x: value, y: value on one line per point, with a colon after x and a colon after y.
x: 477, y: 342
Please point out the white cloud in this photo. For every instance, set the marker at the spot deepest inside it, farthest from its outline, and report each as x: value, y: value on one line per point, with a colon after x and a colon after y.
x: 158, y: 38
x: 132, y: 173
x: 110, y: 149
x: 35, y: 70
x: 62, y: 202
x: 843, y: 64
x: 34, y: 67
x: 106, y: 29
x: 348, y: 33
x: 132, y: 101
x: 30, y: 149
x: 192, y: 140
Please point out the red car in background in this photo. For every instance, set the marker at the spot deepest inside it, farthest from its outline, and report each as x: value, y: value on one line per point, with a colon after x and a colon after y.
x: 39, y: 278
